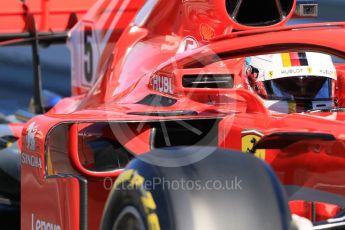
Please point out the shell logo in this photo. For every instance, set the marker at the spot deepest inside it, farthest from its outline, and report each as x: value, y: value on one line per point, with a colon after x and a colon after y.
x: 207, y: 32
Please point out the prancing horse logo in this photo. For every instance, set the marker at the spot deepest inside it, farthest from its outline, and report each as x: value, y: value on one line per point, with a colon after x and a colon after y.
x: 30, y: 137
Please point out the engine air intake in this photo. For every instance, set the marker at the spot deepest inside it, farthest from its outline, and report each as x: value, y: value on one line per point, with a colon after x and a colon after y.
x: 259, y: 13
x: 223, y: 81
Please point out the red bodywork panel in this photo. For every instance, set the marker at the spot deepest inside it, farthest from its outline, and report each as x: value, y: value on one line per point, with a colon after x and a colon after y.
x: 114, y: 75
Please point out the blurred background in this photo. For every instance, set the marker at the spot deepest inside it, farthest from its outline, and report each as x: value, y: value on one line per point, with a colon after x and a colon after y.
x: 16, y: 68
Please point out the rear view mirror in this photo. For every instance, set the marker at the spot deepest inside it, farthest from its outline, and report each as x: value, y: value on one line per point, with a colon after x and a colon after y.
x: 307, y: 10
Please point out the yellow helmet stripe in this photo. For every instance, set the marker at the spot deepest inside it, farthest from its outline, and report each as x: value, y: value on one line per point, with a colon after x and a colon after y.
x: 286, y: 59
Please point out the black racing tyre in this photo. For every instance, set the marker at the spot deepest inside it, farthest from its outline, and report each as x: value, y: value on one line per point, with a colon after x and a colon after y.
x: 129, y: 213
x: 247, y: 194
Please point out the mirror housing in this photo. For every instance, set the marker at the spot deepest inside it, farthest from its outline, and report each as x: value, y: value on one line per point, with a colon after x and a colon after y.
x: 307, y: 9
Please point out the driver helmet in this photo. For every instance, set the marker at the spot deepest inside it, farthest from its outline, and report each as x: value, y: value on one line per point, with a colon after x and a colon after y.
x: 293, y: 81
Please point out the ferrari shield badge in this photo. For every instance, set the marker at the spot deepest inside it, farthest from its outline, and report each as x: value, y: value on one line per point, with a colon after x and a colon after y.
x: 188, y: 43
x: 249, y: 139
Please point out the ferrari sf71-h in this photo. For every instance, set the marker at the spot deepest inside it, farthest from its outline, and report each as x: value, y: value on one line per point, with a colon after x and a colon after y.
x: 166, y: 94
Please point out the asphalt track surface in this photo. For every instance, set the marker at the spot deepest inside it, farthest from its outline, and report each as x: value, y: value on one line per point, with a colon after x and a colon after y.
x: 16, y: 69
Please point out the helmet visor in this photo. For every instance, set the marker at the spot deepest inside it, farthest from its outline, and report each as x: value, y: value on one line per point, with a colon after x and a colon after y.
x: 298, y: 88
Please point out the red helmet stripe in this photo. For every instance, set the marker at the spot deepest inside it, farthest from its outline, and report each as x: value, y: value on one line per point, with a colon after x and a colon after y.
x: 295, y: 61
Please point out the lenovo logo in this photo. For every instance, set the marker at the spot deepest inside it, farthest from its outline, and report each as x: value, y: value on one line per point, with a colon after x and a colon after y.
x: 37, y: 224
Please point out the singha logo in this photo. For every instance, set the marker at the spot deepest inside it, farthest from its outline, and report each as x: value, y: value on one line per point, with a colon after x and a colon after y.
x: 30, y: 137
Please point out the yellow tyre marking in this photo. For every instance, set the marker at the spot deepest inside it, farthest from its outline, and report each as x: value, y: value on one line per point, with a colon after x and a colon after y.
x: 150, y: 208
x: 148, y: 201
x: 137, y: 181
x: 125, y: 176
x: 153, y: 221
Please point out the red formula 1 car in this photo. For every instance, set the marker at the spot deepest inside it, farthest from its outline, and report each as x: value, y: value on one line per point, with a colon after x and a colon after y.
x: 164, y: 92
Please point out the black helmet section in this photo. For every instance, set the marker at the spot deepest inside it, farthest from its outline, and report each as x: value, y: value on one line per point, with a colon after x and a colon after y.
x: 225, y: 190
